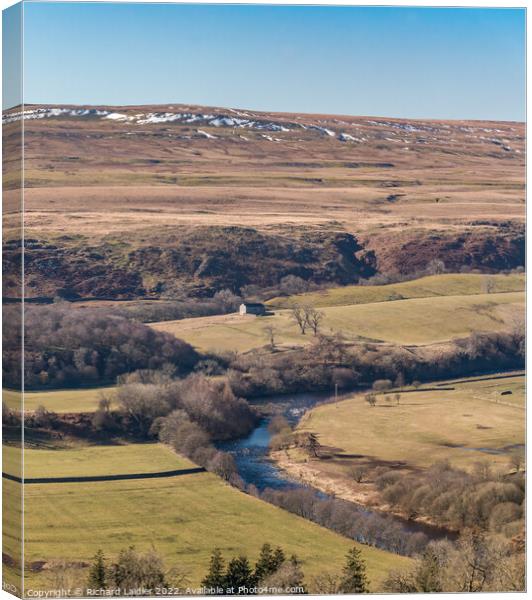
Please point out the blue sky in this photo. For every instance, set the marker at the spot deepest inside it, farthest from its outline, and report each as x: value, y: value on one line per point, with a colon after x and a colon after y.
x: 405, y: 62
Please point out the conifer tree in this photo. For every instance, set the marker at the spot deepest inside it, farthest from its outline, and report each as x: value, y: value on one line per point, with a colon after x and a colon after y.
x: 269, y: 561
x: 239, y: 574
x: 215, y: 577
x: 265, y: 564
x: 354, y: 580
x: 98, y: 572
x: 278, y: 558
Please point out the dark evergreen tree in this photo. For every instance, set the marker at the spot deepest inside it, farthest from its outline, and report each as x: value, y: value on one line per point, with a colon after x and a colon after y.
x: 215, y: 578
x: 98, y: 572
x: 354, y: 580
x: 239, y: 574
x: 278, y: 557
x: 269, y: 561
x: 264, y: 565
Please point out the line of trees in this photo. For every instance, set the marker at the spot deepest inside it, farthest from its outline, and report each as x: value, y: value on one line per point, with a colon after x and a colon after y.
x: 330, y: 361
x: 475, y: 563
x: 145, y: 574
x: 273, y: 573
x: 345, y: 518
x: 188, y: 414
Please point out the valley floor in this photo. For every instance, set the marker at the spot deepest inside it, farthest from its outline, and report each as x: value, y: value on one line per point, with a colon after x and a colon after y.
x: 467, y: 421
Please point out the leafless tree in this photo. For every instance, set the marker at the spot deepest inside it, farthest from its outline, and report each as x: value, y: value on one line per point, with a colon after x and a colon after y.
x: 381, y: 385
x: 298, y: 315
x: 269, y: 330
x: 371, y: 399
x: 436, y: 267
x: 327, y: 583
x: 63, y: 575
x: 400, y: 381
x: 359, y: 473
x: 309, y: 441
x: 488, y: 285
x: 292, y: 284
x: 313, y: 318
x: 227, y: 300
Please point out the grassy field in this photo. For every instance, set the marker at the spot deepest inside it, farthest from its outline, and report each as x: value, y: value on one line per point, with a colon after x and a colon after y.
x: 183, y: 517
x: 59, y: 401
x: 469, y: 423
x: 95, y: 460
x: 435, y: 285
x: 412, y: 321
x: 487, y: 388
x: 11, y: 531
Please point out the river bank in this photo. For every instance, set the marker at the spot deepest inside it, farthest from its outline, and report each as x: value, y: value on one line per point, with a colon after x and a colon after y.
x: 264, y: 472
x: 361, y: 494
x: 472, y: 424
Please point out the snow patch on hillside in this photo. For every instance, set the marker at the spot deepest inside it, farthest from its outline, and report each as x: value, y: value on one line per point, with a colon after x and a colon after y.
x: 205, y: 134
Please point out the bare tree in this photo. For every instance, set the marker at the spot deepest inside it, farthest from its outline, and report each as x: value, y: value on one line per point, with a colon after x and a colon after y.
x: 399, y: 381
x: 269, y: 330
x: 63, y: 575
x: 313, y: 318
x: 381, y: 385
x: 327, y: 583
x: 310, y: 442
x: 435, y: 267
x: 227, y: 299
x: 397, y: 398
x: 488, y: 285
x: 298, y: 315
x: 292, y: 284
x: 371, y: 399
x: 359, y: 473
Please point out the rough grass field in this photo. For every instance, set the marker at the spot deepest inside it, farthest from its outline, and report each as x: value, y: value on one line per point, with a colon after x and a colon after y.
x: 412, y: 321
x: 409, y: 191
x: 163, y: 179
x: 183, y: 517
x: 468, y: 423
x: 455, y: 284
x: 58, y: 401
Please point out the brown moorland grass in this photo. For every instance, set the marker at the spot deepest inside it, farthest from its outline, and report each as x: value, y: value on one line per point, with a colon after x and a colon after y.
x: 440, y: 174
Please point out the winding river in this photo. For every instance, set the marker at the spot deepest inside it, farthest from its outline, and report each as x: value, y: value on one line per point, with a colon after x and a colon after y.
x: 255, y: 467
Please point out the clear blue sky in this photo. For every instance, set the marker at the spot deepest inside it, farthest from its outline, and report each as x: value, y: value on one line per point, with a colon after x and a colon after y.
x: 405, y: 62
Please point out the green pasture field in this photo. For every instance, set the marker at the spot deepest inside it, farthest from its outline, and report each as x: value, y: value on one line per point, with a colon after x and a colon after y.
x: 183, y: 517
x: 413, y: 321
x: 95, y: 460
x: 456, y: 284
x: 58, y: 401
